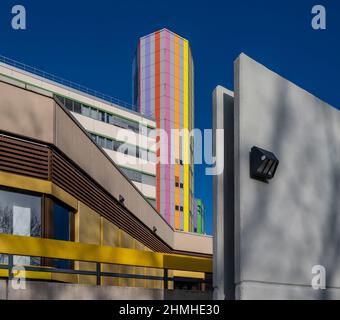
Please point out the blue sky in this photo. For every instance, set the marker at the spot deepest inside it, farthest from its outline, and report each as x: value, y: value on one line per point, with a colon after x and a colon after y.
x: 93, y: 43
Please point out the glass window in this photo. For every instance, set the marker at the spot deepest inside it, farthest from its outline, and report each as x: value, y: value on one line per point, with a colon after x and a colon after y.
x: 101, y: 141
x: 109, y: 144
x: 150, y: 180
x: 101, y: 115
x: 85, y: 110
x: 20, y: 214
x: 61, y: 222
x: 109, y: 118
x: 61, y: 230
x: 77, y: 107
x: 69, y: 104
x: 94, y: 114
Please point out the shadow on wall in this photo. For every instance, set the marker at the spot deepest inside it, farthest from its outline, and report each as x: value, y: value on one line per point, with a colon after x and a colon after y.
x: 292, y: 223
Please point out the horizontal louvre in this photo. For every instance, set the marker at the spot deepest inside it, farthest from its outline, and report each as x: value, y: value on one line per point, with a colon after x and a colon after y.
x: 22, y: 157
x: 71, y: 180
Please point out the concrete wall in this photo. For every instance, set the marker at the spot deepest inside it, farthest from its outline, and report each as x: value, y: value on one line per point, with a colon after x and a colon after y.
x: 223, y: 218
x: 285, y: 227
x: 61, y: 291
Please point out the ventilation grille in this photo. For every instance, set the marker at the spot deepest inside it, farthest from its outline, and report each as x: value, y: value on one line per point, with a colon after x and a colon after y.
x: 20, y: 157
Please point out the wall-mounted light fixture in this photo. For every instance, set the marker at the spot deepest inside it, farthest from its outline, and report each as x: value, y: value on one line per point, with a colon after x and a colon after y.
x: 121, y: 199
x: 263, y: 164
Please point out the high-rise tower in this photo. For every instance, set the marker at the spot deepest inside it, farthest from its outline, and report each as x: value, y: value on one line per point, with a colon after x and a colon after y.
x: 164, y: 89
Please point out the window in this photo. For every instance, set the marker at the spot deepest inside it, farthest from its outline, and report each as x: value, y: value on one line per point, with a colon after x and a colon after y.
x: 101, y: 141
x: 77, y: 107
x: 69, y: 104
x: 176, y: 184
x: 109, y: 144
x: 61, y: 230
x: 85, y: 110
x: 181, y: 185
x: 109, y: 118
x: 61, y: 222
x: 101, y: 115
x: 20, y: 214
x: 181, y: 208
x: 94, y: 114
x: 176, y: 208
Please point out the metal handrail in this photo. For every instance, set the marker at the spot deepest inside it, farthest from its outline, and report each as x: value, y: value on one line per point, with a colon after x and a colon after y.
x: 10, y: 267
x: 67, y: 83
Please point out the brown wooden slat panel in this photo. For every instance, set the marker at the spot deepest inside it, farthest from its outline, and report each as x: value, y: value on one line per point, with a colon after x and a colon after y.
x: 23, y: 147
x: 23, y: 156
x: 13, y: 159
x: 102, y: 204
x: 24, y: 143
x: 23, y: 172
x: 23, y: 166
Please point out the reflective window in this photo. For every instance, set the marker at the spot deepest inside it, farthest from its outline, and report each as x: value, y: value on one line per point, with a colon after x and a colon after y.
x: 61, y: 230
x: 85, y: 110
x: 69, y: 104
x: 100, y: 115
x: 77, y: 107
x: 94, y: 114
x: 20, y: 214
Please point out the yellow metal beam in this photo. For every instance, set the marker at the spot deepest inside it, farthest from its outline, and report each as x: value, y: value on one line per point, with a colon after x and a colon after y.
x: 29, y: 246
x: 37, y: 185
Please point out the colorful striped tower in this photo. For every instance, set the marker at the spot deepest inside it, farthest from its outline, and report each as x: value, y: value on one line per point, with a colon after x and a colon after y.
x: 164, y: 89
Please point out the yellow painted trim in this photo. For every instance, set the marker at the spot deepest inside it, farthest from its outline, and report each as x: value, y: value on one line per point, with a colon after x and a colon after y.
x: 63, y: 196
x: 29, y: 246
x: 37, y: 185
x: 28, y: 275
x: 188, y: 274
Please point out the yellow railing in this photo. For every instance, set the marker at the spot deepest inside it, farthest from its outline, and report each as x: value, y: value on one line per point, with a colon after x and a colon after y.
x: 66, y: 250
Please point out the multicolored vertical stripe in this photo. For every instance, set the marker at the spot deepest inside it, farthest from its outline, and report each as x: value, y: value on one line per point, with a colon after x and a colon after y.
x: 199, y: 217
x: 164, y: 90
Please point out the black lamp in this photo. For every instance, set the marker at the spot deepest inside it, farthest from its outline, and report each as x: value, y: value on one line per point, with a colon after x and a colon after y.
x: 263, y: 164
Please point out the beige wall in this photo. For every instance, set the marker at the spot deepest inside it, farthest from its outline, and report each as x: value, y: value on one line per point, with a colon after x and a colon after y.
x: 35, y: 121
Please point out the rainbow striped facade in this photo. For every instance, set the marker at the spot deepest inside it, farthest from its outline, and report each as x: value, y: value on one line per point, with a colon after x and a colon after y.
x: 164, y: 89
x: 199, y: 217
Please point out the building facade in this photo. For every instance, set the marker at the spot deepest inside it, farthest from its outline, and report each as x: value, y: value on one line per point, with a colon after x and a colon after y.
x: 64, y: 203
x: 164, y: 89
x: 121, y: 132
